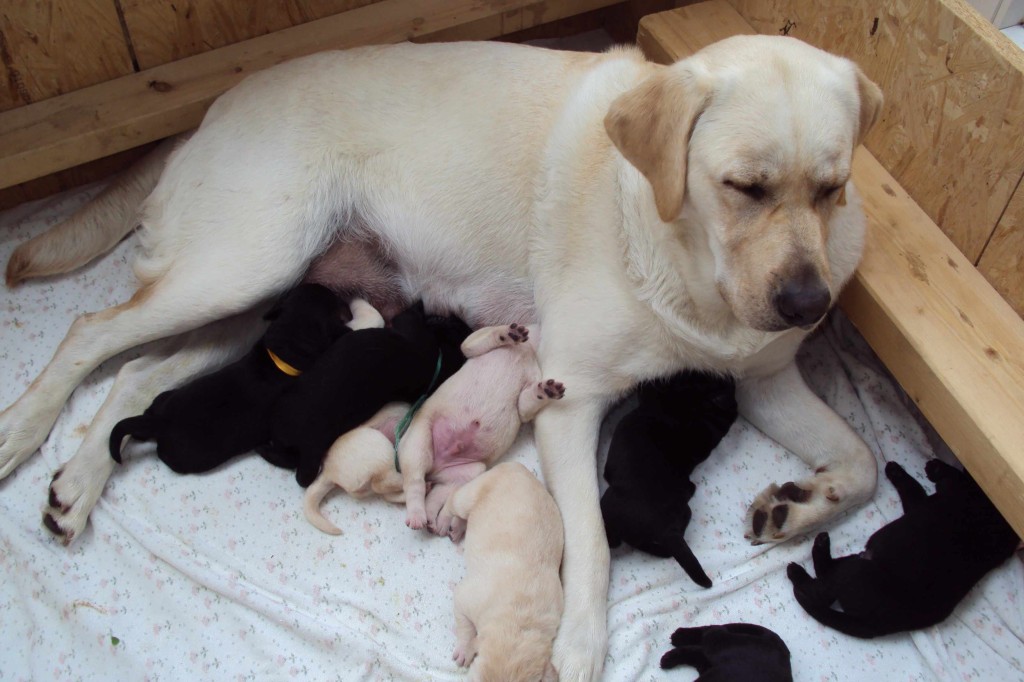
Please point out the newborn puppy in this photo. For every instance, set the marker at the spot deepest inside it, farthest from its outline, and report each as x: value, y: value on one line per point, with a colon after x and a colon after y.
x: 357, y: 376
x: 361, y: 462
x: 472, y: 419
x: 737, y: 652
x: 915, y: 570
x: 509, y: 604
x: 218, y: 416
x: 653, y: 451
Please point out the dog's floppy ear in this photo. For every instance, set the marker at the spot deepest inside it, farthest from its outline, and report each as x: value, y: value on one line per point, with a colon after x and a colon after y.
x: 651, y: 125
x: 870, y: 104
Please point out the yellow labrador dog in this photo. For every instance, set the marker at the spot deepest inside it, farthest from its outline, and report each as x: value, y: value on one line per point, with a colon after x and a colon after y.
x: 650, y: 218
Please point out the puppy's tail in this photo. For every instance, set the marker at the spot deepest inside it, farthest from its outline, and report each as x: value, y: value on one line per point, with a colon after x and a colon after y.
x: 686, y: 558
x: 95, y: 228
x: 315, y: 494
x: 139, y: 428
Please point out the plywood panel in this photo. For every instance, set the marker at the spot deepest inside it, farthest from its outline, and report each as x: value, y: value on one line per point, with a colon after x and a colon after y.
x: 163, y: 31
x: 101, y: 120
x: 954, y: 86
x: 48, y: 48
x: 1002, y: 262
x: 553, y: 13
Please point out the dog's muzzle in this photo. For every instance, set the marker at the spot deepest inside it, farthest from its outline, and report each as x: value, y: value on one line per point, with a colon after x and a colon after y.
x: 803, y: 300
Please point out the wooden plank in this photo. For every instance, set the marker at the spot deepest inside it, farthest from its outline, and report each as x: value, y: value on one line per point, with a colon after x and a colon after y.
x: 49, y: 48
x: 163, y: 32
x: 1002, y: 261
x: 93, y: 122
x: 93, y: 171
x: 954, y: 89
x: 946, y: 335
x: 515, y: 21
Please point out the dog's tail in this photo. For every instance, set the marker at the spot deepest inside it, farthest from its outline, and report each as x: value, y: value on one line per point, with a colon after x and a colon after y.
x: 685, y: 557
x: 139, y: 428
x: 315, y: 494
x: 95, y: 228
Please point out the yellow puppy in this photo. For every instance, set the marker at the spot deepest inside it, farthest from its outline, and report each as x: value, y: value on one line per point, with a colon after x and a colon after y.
x: 508, y: 607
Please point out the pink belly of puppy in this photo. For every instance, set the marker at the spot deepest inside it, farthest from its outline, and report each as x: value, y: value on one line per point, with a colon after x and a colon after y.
x: 466, y: 440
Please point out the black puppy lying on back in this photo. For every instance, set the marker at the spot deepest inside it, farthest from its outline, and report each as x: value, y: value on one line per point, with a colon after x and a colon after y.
x: 655, y: 448
x: 227, y: 413
x: 361, y: 373
x: 737, y: 652
x: 915, y: 570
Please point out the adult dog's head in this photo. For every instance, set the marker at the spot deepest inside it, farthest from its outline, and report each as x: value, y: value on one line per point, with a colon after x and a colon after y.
x: 752, y: 139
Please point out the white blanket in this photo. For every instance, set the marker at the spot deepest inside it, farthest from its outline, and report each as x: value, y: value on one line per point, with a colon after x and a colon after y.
x: 219, y: 576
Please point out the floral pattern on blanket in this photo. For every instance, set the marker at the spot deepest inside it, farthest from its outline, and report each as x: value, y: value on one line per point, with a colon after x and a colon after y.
x: 219, y: 576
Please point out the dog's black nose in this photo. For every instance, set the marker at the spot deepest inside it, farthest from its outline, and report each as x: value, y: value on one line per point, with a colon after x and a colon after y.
x: 803, y: 300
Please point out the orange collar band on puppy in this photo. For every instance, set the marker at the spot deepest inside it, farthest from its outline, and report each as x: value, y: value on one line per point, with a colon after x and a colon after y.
x: 283, y: 366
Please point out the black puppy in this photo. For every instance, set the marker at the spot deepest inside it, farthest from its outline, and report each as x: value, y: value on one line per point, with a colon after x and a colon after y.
x: 358, y: 375
x: 655, y: 448
x: 208, y: 421
x: 915, y: 570
x: 737, y: 652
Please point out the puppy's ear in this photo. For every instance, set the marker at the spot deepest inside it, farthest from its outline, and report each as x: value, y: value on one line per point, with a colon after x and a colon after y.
x: 651, y: 126
x: 870, y: 104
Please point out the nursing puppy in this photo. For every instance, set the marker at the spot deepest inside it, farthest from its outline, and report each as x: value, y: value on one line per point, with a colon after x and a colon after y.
x: 357, y: 376
x: 473, y: 418
x: 916, y: 569
x: 218, y: 416
x: 655, y: 448
x: 649, y: 218
x: 737, y: 652
x: 361, y: 462
x: 508, y: 605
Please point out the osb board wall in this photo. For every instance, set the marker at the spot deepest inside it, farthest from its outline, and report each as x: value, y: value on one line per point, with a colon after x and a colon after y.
x: 51, y: 48
x: 48, y: 48
x: 162, y: 31
x: 950, y: 132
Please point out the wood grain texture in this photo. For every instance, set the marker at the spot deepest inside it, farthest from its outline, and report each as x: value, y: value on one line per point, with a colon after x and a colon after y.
x: 163, y: 31
x: 1002, y: 261
x: 555, y: 14
x: 52, y: 47
x: 946, y: 335
x: 101, y: 120
x: 954, y: 87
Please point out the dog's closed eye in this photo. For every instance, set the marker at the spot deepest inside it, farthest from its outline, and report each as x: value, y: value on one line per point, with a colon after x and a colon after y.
x: 829, y: 192
x: 755, y: 191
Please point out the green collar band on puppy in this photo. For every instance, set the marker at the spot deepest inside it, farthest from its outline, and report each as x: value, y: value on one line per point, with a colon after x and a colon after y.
x: 403, y: 425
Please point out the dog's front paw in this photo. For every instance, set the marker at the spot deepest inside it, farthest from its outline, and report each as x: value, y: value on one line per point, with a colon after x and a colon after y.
x: 797, y: 574
x: 780, y: 512
x: 580, y: 646
x: 457, y: 530
x: 74, y: 491
x: 417, y: 520
x: 18, y: 440
x: 550, y: 390
x: 463, y: 656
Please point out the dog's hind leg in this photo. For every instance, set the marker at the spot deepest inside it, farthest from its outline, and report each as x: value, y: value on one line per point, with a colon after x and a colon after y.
x: 910, y: 491
x: 77, y: 485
